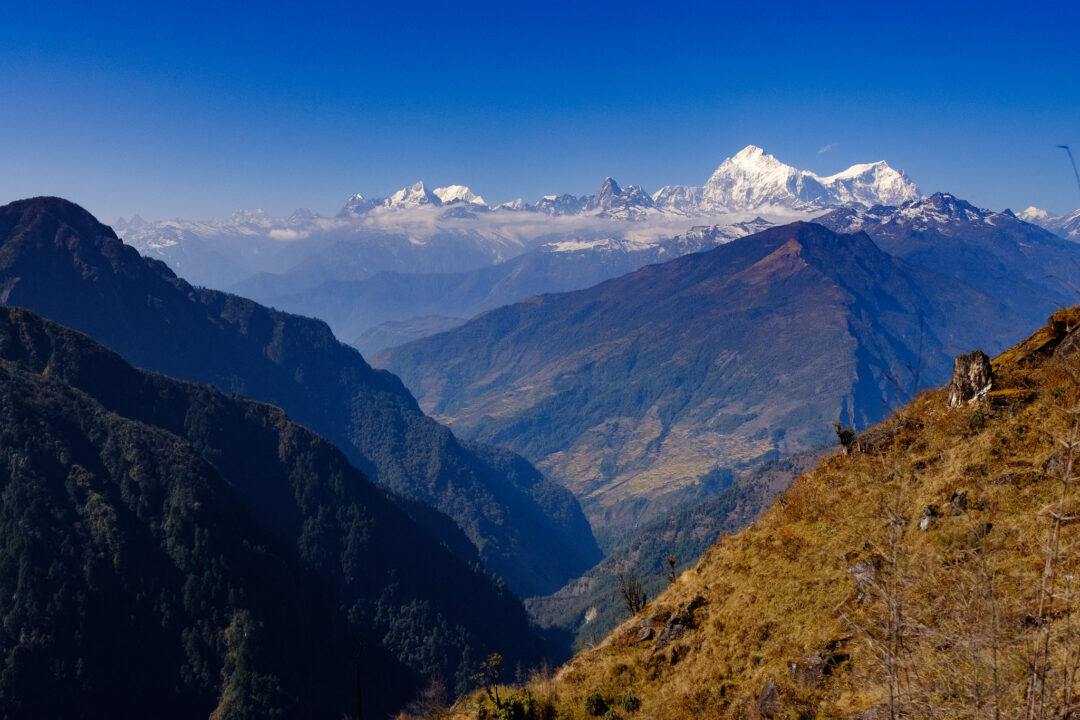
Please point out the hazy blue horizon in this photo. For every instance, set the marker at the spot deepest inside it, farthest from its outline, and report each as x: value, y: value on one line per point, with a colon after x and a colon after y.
x: 199, y: 111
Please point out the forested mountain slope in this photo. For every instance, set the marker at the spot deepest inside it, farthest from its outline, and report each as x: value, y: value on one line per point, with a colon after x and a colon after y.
x: 57, y: 260
x: 166, y: 550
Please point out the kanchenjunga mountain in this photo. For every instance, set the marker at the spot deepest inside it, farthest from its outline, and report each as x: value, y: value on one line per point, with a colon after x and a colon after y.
x: 170, y: 551
x: 926, y: 571
x: 58, y: 261
x: 631, y: 391
x: 296, y: 262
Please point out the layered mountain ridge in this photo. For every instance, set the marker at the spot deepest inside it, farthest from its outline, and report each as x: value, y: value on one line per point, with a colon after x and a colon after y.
x: 58, y: 261
x: 1067, y: 226
x: 172, y: 551
x: 368, y: 312
x: 1030, y: 269
x: 631, y: 391
x: 452, y: 229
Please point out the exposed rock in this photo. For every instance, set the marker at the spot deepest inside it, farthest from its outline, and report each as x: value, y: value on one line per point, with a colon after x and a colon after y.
x: 1055, y: 464
x: 672, y: 631
x: 981, y: 531
x: 645, y: 632
x: 972, y: 378
x: 865, y: 573
x: 808, y: 672
x: 877, y: 439
x: 926, y: 520
x: 768, y: 701
x: 959, y: 503
x: 877, y: 712
x: 1069, y: 346
x: 679, y: 622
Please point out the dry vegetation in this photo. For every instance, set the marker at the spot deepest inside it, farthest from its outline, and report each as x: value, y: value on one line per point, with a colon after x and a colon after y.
x: 837, y: 604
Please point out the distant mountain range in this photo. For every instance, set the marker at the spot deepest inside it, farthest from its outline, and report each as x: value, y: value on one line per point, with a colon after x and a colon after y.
x: 371, y: 313
x: 58, y: 261
x: 631, y: 391
x: 1067, y: 226
x: 451, y: 229
x: 1029, y: 269
x: 748, y: 181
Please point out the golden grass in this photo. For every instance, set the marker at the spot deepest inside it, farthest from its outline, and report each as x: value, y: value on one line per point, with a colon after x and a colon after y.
x: 948, y: 623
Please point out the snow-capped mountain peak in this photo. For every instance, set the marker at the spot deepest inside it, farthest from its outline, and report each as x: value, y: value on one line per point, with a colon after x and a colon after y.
x: 412, y: 196
x: 458, y: 193
x: 1066, y: 226
x: 1034, y: 215
x: 358, y: 205
x: 631, y: 203
x: 869, y: 184
x: 939, y: 211
x: 753, y: 178
x: 517, y: 204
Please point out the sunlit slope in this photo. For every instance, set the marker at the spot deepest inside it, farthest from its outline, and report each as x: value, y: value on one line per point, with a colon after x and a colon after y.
x: 838, y: 601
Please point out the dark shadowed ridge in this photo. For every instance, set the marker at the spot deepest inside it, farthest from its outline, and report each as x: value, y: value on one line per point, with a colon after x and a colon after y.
x: 60, y: 262
x: 1032, y: 271
x: 166, y: 549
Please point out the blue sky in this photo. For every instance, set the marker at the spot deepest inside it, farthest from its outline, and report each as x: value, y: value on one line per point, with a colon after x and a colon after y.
x: 197, y: 110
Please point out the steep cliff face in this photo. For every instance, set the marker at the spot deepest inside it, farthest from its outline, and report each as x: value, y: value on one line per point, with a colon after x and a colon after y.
x: 927, y: 572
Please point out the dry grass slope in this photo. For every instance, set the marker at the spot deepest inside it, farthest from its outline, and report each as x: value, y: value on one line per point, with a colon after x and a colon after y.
x: 838, y: 604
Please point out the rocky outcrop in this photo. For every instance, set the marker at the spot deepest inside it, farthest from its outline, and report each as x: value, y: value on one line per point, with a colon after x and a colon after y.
x: 958, y: 505
x: 808, y: 672
x: 768, y: 701
x: 928, y: 518
x: 972, y: 378
x: 1069, y: 345
x: 679, y: 623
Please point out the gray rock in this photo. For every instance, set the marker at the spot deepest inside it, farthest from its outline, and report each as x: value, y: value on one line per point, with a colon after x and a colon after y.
x: 768, y: 701
x: 877, y: 439
x: 972, y: 378
x: 1055, y: 464
x: 670, y: 633
x: 1069, y: 346
x: 928, y: 517
x: 865, y: 573
x: 680, y: 621
x: 645, y: 632
x: 959, y: 503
